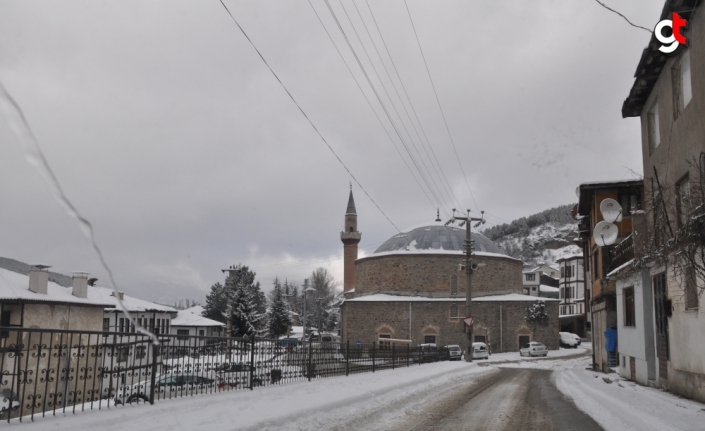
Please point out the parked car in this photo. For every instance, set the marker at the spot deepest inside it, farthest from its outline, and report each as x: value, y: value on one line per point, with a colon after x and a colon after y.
x: 455, y: 352
x: 236, y: 376
x: 164, y: 386
x: 534, y: 348
x: 567, y: 339
x: 8, y: 400
x: 479, y: 351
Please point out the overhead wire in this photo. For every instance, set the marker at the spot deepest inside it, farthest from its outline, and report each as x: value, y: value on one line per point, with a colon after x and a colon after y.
x: 305, y: 115
x: 449, y: 188
x: 381, y: 102
x: 440, y: 107
x: 370, y: 105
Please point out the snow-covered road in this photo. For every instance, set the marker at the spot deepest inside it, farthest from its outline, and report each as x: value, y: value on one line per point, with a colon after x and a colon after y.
x: 392, y: 398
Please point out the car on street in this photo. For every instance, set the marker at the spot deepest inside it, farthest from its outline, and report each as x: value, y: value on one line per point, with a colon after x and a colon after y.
x: 567, y: 339
x: 455, y: 352
x: 165, y: 386
x: 480, y: 351
x: 534, y: 348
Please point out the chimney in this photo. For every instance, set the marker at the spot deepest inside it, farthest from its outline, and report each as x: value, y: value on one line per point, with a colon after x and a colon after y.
x: 120, y: 295
x: 39, y: 279
x: 80, y: 284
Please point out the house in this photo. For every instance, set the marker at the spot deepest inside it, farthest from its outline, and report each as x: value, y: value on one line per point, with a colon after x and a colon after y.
x: 36, y: 315
x: 190, y: 322
x: 662, y: 328
x: 600, y: 293
x: 537, y: 282
x: 572, y: 308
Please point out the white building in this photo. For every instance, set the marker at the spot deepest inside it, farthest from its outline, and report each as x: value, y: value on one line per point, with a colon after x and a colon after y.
x: 190, y: 322
x: 572, y: 308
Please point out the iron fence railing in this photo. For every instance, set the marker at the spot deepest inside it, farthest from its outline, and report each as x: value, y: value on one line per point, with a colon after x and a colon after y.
x: 48, y: 371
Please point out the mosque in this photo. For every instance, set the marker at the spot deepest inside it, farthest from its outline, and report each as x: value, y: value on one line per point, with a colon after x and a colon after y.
x: 411, y: 288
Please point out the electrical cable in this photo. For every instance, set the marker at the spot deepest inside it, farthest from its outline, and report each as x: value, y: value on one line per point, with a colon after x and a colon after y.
x: 306, y: 116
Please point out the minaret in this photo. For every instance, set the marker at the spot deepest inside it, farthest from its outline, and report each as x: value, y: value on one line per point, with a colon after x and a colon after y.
x: 350, y: 237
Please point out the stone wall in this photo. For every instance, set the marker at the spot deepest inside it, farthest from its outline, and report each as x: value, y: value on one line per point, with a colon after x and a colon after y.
x: 364, y: 320
x: 433, y: 274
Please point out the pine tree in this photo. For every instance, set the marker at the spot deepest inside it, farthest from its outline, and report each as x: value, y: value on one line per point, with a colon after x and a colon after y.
x: 216, y: 303
x: 249, y: 305
x: 536, y: 314
x: 279, y: 321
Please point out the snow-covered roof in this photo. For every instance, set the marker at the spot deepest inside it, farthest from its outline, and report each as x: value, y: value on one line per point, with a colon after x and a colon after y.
x: 382, y: 297
x: 186, y: 318
x: 131, y: 303
x: 196, y: 309
x: 512, y: 297
x: 436, y: 239
x: 544, y: 288
x: 611, y: 182
x: 620, y: 268
x: 574, y: 256
x: 15, y: 287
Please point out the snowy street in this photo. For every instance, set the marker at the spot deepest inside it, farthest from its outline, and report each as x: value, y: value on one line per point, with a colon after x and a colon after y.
x: 505, y: 392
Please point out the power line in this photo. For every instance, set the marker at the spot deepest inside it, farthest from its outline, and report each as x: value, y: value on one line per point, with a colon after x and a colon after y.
x: 381, y: 102
x: 370, y: 105
x: 439, y: 105
x: 625, y: 18
x: 306, y: 116
x: 409, y: 99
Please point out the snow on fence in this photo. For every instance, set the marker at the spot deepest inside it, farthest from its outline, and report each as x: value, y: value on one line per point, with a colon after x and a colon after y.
x: 48, y: 371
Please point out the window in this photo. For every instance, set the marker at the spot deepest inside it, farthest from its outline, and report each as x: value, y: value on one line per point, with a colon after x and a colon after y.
x: 530, y: 277
x: 682, y: 86
x: 121, y: 326
x: 182, y: 334
x: 562, y: 272
x: 628, y: 295
x: 480, y: 339
x: 454, y: 311
x: 140, y: 352
x: 453, y: 284
x: 429, y: 339
x: 121, y: 353
x: 5, y: 321
x: 683, y: 200
x: 653, y: 126
x: 201, y: 332
x: 630, y: 202
x: 568, y: 271
x: 691, y: 289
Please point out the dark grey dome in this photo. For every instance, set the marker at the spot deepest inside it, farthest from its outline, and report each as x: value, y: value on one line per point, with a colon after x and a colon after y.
x: 435, y: 238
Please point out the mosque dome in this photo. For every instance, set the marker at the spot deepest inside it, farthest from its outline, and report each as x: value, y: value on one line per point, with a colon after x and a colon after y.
x: 435, y: 238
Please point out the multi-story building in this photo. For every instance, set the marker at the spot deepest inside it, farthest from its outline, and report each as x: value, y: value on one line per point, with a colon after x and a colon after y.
x: 536, y: 282
x: 599, y: 261
x: 668, y: 96
x: 572, y: 309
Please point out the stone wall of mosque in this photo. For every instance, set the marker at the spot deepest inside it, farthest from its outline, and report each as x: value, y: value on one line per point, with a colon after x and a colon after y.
x: 500, y: 324
x: 436, y: 275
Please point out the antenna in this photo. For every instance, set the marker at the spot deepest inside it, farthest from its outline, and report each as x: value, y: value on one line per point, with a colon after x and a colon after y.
x: 605, y: 233
x: 611, y: 210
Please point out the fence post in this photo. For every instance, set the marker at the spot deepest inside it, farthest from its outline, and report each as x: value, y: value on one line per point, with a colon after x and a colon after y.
x: 153, y: 378
x: 393, y: 356
x: 347, y: 359
x: 373, y: 357
x: 252, y: 362
x: 310, y: 353
x: 408, y: 353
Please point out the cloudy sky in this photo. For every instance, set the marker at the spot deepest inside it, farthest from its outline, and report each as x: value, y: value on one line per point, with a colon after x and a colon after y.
x: 169, y: 133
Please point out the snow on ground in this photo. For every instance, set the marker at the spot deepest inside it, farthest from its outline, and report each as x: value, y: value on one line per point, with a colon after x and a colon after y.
x: 379, y: 400
x: 624, y: 406
x: 339, y: 403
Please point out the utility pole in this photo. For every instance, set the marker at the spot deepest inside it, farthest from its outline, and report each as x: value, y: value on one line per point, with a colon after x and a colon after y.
x: 228, y: 288
x: 467, y: 220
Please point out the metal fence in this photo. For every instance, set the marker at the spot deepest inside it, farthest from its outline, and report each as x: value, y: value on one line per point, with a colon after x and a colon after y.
x: 48, y: 371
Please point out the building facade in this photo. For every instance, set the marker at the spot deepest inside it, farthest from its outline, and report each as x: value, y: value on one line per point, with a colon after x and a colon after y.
x: 413, y: 288
x: 571, y: 309
x: 668, y: 96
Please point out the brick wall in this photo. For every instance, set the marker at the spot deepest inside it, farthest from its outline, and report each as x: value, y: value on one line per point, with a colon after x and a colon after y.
x: 431, y: 275
x: 364, y: 320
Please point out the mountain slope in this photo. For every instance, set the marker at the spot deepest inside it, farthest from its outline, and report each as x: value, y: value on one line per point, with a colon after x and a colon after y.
x: 539, y: 238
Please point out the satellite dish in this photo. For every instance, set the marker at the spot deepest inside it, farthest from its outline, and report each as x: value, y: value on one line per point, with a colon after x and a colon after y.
x: 577, y: 192
x: 611, y: 210
x: 605, y: 233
